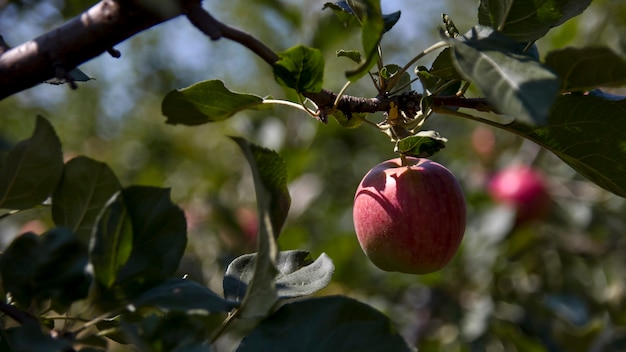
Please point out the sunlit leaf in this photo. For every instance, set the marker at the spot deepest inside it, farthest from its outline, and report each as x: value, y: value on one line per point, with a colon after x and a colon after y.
x: 206, y: 101
x: 84, y: 189
x: 112, y: 242
x: 298, y: 274
x: 273, y: 200
x: 353, y: 55
x: 587, y: 68
x: 528, y: 20
x: 32, y: 169
x: 300, y: 68
x: 332, y: 323
x: 514, y: 82
x: 423, y: 144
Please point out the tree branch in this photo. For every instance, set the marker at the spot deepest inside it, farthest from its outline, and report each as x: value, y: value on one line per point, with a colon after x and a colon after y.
x: 81, y: 39
x: 110, y: 22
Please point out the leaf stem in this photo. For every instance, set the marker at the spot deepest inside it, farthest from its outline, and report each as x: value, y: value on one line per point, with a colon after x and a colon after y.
x: 394, y: 80
x: 299, y: 106
x: 220, y: 330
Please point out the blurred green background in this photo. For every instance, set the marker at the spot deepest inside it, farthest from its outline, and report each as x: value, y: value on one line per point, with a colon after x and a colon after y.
x: 554, y: 284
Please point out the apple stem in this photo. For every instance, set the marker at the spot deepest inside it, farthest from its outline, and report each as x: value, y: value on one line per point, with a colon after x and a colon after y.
x: 403, y: 159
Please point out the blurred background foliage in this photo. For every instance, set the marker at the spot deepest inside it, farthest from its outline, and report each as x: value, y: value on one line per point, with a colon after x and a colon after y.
x: 553, y: 284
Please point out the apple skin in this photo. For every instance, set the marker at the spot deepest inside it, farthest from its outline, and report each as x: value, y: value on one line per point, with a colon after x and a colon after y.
x: 409, y: 219
x: 523, y: 188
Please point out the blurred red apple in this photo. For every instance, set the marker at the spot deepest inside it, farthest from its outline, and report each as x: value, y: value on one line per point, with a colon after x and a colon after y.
x: 409, y: 218
x: 524, y: 188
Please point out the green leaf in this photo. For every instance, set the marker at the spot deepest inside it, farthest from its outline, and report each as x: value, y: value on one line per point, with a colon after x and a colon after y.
x: 32, y: 169
x: 514, y: 82
x: 334, y: 323
x: 402, y: 85
x: 298, y: 274
x: 443, y: 66
x: 528, y: 20
x: 85, y: 187
x: 300, y: 68
x: 270, y: 178
x: 587, y: 68
x: 423, y: 144
x: 112, y: 241
x: 353, y: 55
x: 139, y: 241
x: 589, y: 134
x: 183, y: 296
x: 273, y: 200
x: 37, y: 268
x: 203, y: 102
x: 371, y: 34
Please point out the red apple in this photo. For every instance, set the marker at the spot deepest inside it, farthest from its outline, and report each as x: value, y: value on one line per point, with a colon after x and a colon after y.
x: 523, y: 188
x: 409, y: 218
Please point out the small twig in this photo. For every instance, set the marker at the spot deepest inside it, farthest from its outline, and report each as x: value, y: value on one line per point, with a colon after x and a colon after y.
x: 394, y: 80
x: 15, y: 313
x: 215, y: 29
x: 220, y: 330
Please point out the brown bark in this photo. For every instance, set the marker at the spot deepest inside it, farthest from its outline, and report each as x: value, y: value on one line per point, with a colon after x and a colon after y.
x: 81, y: 39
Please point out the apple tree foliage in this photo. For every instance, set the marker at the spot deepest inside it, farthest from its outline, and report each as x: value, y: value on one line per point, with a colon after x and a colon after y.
x: 108, y: 269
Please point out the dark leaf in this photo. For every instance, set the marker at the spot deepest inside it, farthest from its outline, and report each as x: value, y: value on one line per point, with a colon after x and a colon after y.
x: 334, y: 323
x: 589, y: 134
x: 390, y: 20
x: 159, y: 231
x: 52, y: 265
x: 443, y: 66
x: 32, y: 169
x: 528, y: 20
x: 300, y: 68
x: 514, y: 82
x: 587, y: 68
x: 174, y: 331
x: 29, y: 337
x: 183, y: 296
x: 84, y: 189
x: 203, y: 102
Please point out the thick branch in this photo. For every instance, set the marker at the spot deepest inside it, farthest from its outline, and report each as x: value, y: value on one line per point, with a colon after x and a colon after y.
x: 81, y: 39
